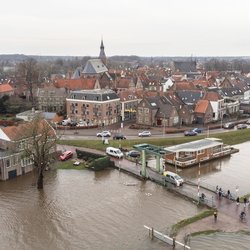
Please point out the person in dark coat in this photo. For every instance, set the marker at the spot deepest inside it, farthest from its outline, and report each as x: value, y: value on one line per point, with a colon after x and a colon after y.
x: 238, y: 201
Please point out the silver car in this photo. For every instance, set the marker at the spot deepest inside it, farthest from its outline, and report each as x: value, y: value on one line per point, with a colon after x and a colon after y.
x: 103, y: 134
x: 144, y: 134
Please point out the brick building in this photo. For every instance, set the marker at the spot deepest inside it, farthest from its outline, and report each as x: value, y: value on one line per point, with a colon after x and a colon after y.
x: 95, y: 107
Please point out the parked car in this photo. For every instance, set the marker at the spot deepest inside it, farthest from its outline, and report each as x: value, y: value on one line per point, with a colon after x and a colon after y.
x: 103, y: 134
x: 133, y: 153
x: 66, y: 122
x: 228, y: 125
x: 241, y: 126
x: 66, y: 155
x: 190, y: 133
x: 116, y: 152
x: 144, y: 134
x: 198, y: 130
x: 173, y: 178
x: 81, y: 124
x: 73, y: 124
x: 248, y: 121
x: 119, y: 137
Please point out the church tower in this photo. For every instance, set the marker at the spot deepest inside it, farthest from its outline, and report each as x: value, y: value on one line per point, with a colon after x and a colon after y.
x: 102, y: 55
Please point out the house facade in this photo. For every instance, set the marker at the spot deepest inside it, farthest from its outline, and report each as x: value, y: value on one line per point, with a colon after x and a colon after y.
x: 12, y: 144
x: 203, y: 112
x: 51, y: 99
x: 95, y: 107
x: 157, y: 111
x: 217, y: 103
x: 129, y: 102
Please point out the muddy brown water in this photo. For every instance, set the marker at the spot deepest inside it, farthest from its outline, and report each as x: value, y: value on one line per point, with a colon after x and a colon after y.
x: 107, y: 210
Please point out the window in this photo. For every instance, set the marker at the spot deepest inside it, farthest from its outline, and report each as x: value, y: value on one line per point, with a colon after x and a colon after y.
x: 200, y: 152
x: 7, y: 163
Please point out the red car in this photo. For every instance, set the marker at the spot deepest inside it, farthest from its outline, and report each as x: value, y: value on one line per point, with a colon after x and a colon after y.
x: 66, y: 155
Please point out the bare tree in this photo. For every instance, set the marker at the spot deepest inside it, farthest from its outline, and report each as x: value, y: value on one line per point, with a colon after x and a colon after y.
x: 40, y: 146
x: 29, y: 70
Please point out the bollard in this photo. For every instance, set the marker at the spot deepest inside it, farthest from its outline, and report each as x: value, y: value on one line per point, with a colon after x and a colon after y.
x: 152, y: 233
x: 173, y: 242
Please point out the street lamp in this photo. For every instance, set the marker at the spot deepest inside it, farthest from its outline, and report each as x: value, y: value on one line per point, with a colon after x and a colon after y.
x: 164, y: 125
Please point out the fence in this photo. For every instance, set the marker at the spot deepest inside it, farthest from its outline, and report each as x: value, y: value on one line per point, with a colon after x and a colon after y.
x: 165, y: 238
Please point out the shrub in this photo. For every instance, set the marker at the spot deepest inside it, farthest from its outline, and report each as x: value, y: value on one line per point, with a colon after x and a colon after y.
x: 87, y: 156
x: 101, y: 163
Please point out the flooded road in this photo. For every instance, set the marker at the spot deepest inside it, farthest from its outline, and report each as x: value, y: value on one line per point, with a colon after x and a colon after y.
x: 107, y: 209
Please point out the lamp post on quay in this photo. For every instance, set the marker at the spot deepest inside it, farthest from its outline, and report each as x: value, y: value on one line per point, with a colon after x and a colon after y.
x: 164, y: 125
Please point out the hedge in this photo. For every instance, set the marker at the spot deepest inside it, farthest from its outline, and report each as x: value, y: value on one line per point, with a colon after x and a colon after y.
x: 101, y: 163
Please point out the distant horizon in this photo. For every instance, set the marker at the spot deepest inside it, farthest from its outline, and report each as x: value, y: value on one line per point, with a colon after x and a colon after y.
x: 191, y: 56
x: 144, y: 28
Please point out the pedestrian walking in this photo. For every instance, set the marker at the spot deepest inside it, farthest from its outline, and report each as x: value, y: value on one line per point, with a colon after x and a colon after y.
x: 217, y: 189
x: 238, y: 201
x: 245, y: 201
x: 215, y: 215
x: 220, y: 194
x: 228, y: 194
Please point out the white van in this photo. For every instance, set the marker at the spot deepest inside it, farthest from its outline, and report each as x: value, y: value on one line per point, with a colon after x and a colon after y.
x: 116, y: 152
x: 173, y: 178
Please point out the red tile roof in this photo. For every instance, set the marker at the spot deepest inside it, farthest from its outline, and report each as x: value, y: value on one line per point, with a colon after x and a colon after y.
x: 184, y: 85
x: 75, y: 84
x: 4, y: 88
x: 16, y: 133
x: 201, y: 106
x: 123, y: 83
x: 212, y: 96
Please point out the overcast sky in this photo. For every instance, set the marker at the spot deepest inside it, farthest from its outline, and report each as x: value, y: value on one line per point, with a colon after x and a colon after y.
x: 129, y: 27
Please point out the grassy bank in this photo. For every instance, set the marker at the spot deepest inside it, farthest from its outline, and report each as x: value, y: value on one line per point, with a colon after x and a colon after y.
x: 68, y: 165
x: 230, y: 138
x: 176, y: 227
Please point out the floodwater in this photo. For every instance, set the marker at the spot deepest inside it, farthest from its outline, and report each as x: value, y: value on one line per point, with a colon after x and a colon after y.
x: 107, y: 209
x: 86, y: 210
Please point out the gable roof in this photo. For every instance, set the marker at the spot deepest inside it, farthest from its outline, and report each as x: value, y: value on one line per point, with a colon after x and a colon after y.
x: 4, y: 88
x: 76, y: 84
x: 190, y: 96
x: 230, y: 92
x: 212, y: 96
x: 94, y: 66
x: 15, y: 133
x: 201, y: 106
x: 123, y: 83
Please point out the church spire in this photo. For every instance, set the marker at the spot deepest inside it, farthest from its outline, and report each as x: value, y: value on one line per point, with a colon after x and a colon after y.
x: 102, y: 54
